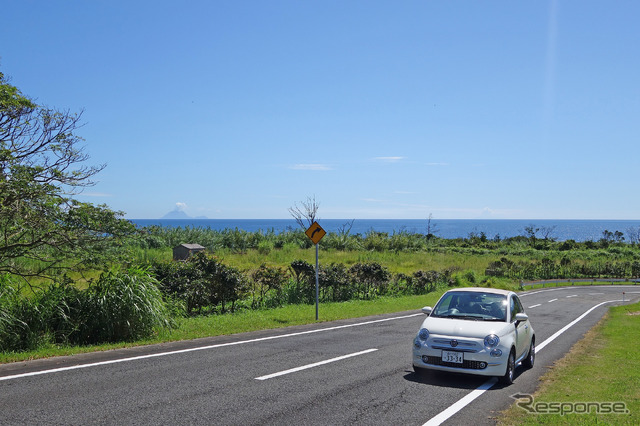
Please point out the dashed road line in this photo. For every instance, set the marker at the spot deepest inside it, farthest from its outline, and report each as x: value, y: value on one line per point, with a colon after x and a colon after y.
x: 315, y: 364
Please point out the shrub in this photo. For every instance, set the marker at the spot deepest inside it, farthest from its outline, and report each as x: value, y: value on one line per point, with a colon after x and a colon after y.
x: 301, y: 289
x: 470, y: 276
x: 372, y: 278
x: 269, y: 279
x: 376, y: 241
x: 230, y: 285
x: 265, y: 247
x: 424, y: 281
x: 334, y: 282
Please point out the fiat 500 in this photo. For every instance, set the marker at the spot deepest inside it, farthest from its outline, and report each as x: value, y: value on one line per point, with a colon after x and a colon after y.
x: 476, y: 331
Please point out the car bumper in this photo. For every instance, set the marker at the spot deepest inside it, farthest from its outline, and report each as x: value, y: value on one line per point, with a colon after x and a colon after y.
x: 480, y: 363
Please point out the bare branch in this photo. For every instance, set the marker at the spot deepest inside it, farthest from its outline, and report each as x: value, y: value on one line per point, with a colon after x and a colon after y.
x: 305, y: 213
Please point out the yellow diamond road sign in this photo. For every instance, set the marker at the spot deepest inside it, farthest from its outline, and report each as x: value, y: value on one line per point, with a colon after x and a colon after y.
x: 315, y: 233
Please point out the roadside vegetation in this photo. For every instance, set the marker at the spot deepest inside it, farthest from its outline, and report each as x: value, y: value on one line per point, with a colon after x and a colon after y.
x: 146, y: 296
x: 597, y: 382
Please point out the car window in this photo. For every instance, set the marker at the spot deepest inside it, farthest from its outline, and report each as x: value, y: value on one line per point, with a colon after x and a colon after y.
x: 518, y: 304
x: 472, y: 306
x: 516, y: 307
x: 445, y: 304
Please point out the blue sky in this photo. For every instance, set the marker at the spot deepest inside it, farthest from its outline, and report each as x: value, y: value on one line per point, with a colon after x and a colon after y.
x: 379, y: 109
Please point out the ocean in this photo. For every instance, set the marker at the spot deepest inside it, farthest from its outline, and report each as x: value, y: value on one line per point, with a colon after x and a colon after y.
x: 560, y: 230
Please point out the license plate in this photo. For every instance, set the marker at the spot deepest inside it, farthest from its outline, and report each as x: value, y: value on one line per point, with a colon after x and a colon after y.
x: 450, y: 356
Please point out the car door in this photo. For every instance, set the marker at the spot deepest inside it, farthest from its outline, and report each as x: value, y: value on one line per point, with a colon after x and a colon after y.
x: 522, y: 328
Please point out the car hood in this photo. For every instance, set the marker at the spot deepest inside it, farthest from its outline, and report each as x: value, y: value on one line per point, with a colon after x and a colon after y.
x: 466, y: 328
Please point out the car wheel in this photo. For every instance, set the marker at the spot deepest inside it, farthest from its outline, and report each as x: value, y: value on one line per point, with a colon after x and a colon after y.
x: 531, y: 357
x: 507, y: 379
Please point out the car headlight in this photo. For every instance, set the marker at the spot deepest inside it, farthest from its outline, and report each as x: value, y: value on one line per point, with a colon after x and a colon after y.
x: 423, y: 334
x: 491, y: 341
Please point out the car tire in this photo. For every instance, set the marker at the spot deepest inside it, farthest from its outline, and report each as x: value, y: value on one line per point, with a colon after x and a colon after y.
x: 531, y: 356
x: 509, y: 375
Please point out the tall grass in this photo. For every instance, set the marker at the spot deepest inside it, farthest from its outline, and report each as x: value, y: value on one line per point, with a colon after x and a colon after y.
x: 119, y: 306
x: 124, y: 307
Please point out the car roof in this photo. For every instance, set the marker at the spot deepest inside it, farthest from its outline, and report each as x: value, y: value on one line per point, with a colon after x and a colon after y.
x: 481, y: 290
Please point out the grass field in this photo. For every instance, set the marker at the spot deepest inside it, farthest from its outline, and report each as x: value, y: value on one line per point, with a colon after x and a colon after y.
x: 395, y: 262
x: 598, y: 377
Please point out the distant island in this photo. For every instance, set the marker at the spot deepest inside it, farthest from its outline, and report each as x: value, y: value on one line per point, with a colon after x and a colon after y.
x: 179, y: 214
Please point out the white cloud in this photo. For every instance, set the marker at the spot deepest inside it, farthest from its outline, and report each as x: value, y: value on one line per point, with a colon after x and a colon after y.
x: 487, y: 212
x: 389, y: 159
x: 313, y: 167
x: 181, y: 206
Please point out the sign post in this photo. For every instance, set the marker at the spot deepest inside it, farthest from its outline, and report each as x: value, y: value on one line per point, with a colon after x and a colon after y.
x: 317, y: 283
x: 315, y: 234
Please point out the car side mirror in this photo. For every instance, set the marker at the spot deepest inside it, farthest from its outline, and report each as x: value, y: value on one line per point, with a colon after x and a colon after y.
x: 521, y: 316
x: 427, y: 310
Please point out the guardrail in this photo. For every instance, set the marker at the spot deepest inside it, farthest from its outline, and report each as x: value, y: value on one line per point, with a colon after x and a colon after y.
x: 573, y: 281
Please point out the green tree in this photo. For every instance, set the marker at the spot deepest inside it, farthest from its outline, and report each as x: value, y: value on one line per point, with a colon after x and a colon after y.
x: 43, y: 228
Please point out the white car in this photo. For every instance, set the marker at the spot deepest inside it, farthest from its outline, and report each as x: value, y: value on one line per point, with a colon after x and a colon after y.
x: 479, y: 331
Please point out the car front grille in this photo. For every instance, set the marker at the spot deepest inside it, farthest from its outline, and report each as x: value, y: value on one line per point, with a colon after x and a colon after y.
x: 471, y: 365
x: 459, y: 345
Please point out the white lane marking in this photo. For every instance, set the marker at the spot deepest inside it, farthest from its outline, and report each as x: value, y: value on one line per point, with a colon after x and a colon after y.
x: 534, y: 306
x: 315, y: 364
x: 461, y: 403
x: 529, y: 293
x: 202, y: 348
x: 573, y: 295
x: 540, y: 291
x: 571, y: 324
x: 552, y: 300
x: 467, y: 399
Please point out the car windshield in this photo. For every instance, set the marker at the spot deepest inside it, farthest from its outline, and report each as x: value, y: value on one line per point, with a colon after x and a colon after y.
x: 472, y: 306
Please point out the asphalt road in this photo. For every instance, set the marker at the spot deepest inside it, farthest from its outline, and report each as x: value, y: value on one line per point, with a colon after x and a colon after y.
x: 344, y: 372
